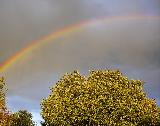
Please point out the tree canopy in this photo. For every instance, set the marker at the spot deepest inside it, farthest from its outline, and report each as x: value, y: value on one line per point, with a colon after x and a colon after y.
x: 22, y: 118
x: 104, y: 97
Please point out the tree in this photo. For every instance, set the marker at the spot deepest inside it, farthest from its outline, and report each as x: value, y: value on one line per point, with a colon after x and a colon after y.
x: 105, y: 97
x: 4, y: 113
x: 22, y: 118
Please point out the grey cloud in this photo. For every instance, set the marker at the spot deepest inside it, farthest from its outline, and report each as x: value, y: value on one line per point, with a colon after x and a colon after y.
x: 23, y: 21
x: 121, y: 46
x: 131, y: 45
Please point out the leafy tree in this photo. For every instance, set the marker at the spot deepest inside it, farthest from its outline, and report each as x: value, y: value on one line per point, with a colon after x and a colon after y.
x: 4, y: 113
x: 22, y: 118
x: 103, y: 98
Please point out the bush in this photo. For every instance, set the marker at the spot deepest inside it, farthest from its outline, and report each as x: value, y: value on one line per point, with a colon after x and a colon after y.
x: 103, y: 98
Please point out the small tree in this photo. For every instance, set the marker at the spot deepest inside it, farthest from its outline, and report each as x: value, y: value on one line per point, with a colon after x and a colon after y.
x: 4, y: 113
x: 103, y: 98
x: 22, y: 118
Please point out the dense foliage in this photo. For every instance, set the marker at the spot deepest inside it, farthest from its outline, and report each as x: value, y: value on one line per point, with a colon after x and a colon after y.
x: 4, y: 113
x: 103, y: 98
x: 22, y: 118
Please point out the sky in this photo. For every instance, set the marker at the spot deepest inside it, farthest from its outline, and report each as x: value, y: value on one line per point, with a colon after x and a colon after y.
x: 114, y: 35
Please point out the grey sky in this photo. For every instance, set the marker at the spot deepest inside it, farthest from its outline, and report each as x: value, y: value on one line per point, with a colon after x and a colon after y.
x: 133, y: 46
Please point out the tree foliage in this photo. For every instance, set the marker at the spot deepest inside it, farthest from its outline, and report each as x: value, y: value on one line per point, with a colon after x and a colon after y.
x: 44, y: 124
x: 22, y: 118
x: 4, y: 113
x: 103, y: 98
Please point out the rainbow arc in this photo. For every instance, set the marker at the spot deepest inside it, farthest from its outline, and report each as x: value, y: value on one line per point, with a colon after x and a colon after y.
x: 64, y: 31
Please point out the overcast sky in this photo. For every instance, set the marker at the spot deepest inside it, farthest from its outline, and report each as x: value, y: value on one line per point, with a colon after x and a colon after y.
x: 131, y: 45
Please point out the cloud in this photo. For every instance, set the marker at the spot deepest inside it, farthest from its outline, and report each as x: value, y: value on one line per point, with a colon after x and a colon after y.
x: 23, y: 21
x: 130, y: 45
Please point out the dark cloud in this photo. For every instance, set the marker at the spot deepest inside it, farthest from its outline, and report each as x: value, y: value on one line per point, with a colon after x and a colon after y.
x: 23, y: 21
x: 130, y: 45
x: 127, y: 44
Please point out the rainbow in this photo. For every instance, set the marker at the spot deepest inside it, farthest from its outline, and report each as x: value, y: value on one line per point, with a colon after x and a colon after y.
x: 64, y: 31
